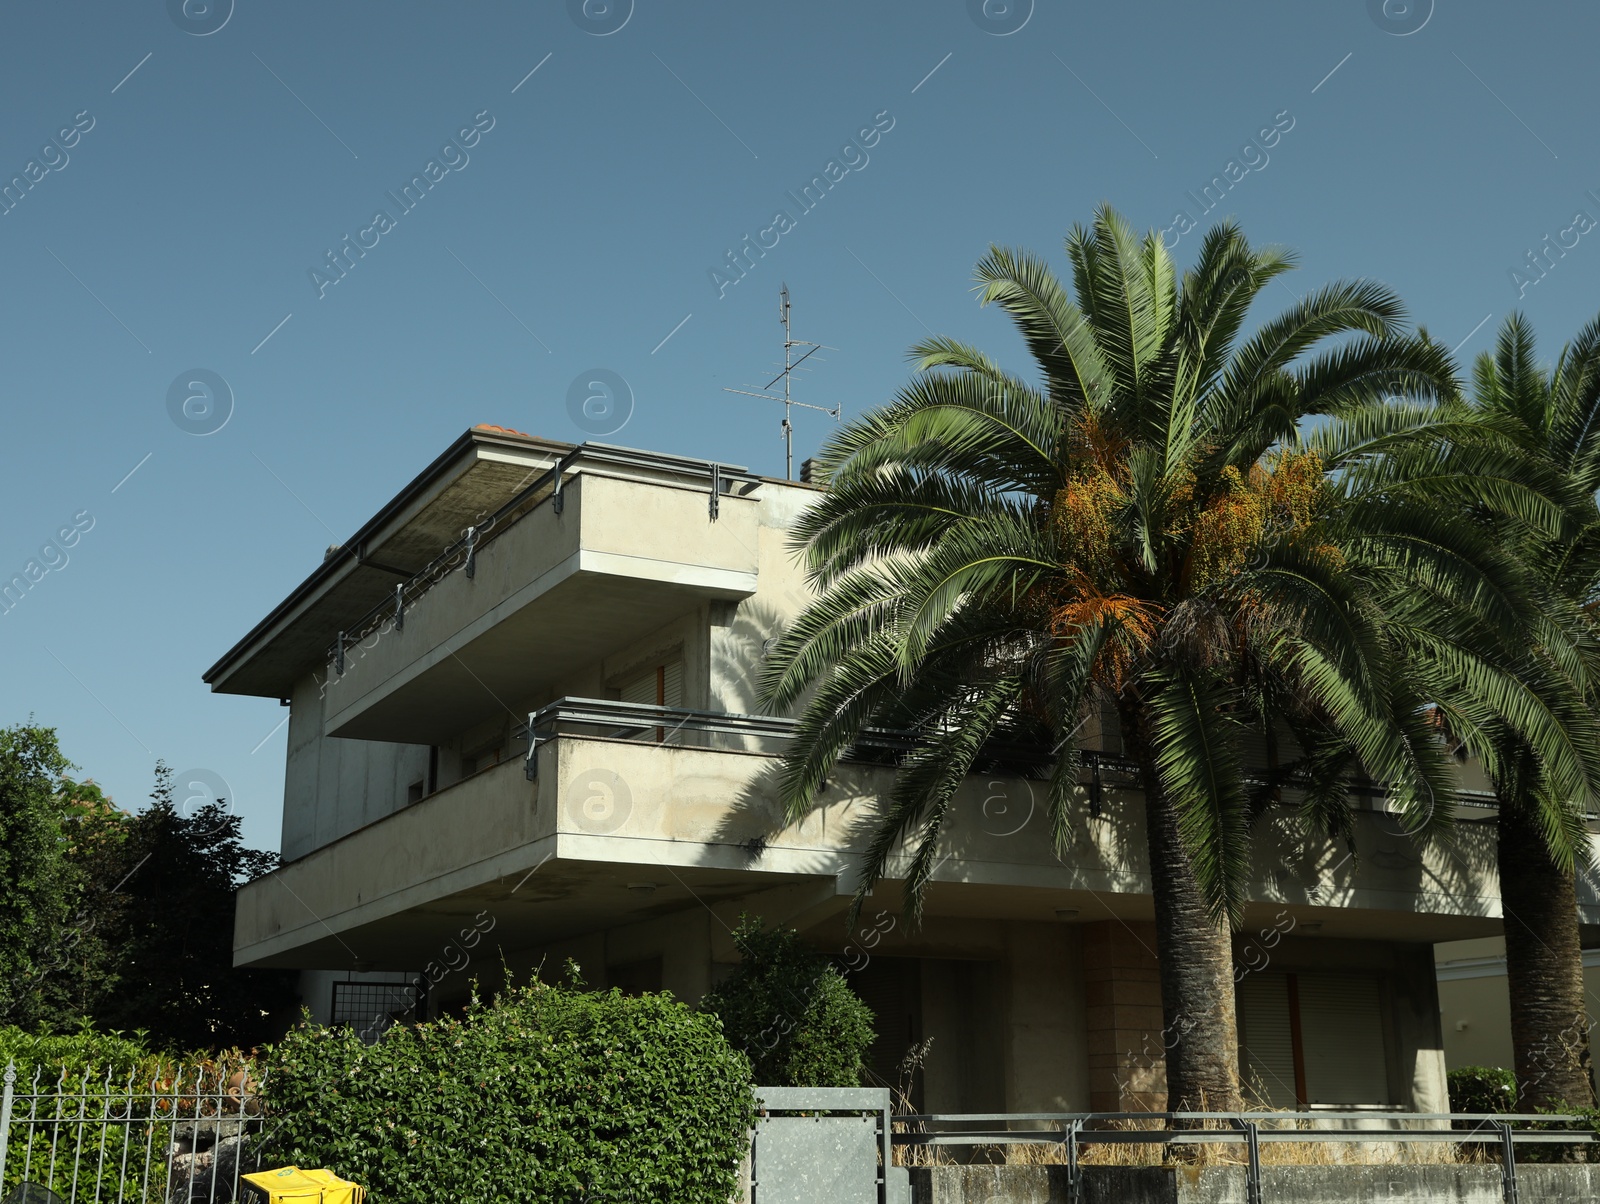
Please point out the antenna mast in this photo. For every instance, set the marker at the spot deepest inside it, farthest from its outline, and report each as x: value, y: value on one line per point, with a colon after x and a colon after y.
x: 789, y: 365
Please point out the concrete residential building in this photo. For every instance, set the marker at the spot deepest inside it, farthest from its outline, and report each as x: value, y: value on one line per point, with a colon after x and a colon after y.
x: 523, y: 727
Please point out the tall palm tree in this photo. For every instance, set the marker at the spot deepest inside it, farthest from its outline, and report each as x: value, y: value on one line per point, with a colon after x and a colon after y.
x: 1148, y: 530
x: 1555, y: 416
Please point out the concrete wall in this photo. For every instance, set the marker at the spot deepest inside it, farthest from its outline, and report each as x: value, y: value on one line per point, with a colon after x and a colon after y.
x: 332, y: 787
x: 1226, y: 1185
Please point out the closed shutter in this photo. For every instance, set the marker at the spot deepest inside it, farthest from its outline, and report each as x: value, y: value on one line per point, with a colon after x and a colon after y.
x: 892, y: 988
x: 1341, y: 1024
x: 641, y: 689
x: 661, y: 686
x: 1266, y: 1038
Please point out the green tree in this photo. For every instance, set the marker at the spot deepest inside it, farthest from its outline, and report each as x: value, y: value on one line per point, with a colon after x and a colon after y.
x: 791, y: 1012
x: 1554, y: 414
x: 1216, y: 538
x: 172, y: 930
x: 81, y: 970
x: 35, y: 878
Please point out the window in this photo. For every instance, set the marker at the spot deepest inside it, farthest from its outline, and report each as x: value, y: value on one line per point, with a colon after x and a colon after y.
x: 485, y: 756
x: 1313, y: 1039
x: 661, y: 686
x: 372, y: 1008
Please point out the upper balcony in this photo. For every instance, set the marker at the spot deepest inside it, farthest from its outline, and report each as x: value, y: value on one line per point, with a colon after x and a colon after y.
x: 589, y: 560
x: 510, y: 563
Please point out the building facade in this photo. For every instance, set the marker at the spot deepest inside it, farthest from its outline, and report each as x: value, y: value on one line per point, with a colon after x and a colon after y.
x: 524, y: 729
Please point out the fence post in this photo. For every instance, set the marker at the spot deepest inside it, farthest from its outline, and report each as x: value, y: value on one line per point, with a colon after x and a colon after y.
x: 1252, y: 1174
x: 1508, y: 1163
x: 5, y: 1115
x: 1074, y: 1175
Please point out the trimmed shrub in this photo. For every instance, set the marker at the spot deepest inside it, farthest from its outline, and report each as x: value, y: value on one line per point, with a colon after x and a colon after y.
x: 791, y: 1012
x: 1482, y: 1089
x: 549, y: 1093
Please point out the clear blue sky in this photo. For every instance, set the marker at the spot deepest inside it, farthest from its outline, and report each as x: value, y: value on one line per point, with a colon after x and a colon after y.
x: 580, y: 231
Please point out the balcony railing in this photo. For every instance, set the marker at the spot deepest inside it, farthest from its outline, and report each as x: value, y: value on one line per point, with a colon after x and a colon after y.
x: 600, y: 718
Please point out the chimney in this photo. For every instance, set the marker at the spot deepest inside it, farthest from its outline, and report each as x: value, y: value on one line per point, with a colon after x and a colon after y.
x: 808, y: 471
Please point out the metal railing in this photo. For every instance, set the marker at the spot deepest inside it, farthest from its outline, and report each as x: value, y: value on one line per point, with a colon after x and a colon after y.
x: 1249, y: 1130
x: 180, y: 1138
x: 685, y: 726
x: 461, y: 553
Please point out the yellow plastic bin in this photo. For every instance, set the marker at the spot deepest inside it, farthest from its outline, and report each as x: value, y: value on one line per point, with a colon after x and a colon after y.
x: 291, y: 1185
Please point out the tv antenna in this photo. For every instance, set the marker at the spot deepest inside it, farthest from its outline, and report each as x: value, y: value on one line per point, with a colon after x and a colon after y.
x: 789, y: 365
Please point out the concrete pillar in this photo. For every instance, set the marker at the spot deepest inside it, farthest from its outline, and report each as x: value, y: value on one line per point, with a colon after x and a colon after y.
x: 1046, y: 1067
x: 1122, y: 986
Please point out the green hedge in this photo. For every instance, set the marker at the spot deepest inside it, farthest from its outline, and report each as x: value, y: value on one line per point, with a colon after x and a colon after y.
x: 549, y: 1094
x: 1482, y: 1089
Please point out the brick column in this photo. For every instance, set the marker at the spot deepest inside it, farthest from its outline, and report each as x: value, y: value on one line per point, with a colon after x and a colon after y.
x: 1122, y: 983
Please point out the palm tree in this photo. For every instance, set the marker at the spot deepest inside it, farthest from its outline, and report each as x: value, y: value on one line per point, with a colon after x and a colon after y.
x: 1555, y: 417
x: 1148, y: 531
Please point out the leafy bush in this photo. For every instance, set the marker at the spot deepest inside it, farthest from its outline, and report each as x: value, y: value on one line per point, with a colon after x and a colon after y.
x: 549, y: 1094
x: 79, y: 1051
x: 1482, y: 1089
x: 791, y: 1012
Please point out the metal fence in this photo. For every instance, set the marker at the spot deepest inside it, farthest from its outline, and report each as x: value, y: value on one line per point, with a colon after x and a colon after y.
x: 1247, y: 1131
x: 95, y: 1137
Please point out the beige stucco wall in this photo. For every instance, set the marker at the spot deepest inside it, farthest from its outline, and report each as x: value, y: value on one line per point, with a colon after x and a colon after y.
x: 1474, y: 1004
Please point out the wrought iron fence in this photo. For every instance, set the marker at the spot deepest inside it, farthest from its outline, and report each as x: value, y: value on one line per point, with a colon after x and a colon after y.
x: 92, y: 1137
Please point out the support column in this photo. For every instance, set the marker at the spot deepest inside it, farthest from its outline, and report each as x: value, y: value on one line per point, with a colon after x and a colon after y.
x: 1122, y: 982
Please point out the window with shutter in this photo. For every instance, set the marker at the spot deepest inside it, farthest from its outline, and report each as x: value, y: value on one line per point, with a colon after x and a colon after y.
x: 1341, y: 1021
x: 1313, y: 1039
x: 661, y: 686
x: 1266, y: 1038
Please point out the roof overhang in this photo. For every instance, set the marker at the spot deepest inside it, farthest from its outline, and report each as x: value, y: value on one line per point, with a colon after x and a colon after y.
x: 473, y: 476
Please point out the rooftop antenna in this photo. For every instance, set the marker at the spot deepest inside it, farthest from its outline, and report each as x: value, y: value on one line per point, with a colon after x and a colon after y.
x: 789, y: 365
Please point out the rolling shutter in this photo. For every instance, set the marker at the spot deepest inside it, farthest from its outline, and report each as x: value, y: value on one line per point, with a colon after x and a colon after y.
x: 1341, y: 1022
x: 661, y: 686
x: 672, y: 684
x: 1319, y: 1034
x: 1266, y: 1038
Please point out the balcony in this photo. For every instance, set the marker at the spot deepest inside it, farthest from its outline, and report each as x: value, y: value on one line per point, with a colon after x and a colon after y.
x: 588, y: 559
x: 624, y: 812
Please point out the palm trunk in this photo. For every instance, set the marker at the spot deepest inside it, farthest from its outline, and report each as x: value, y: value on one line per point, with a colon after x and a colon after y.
x: 1196, y: 956
x: 1544, y: 967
